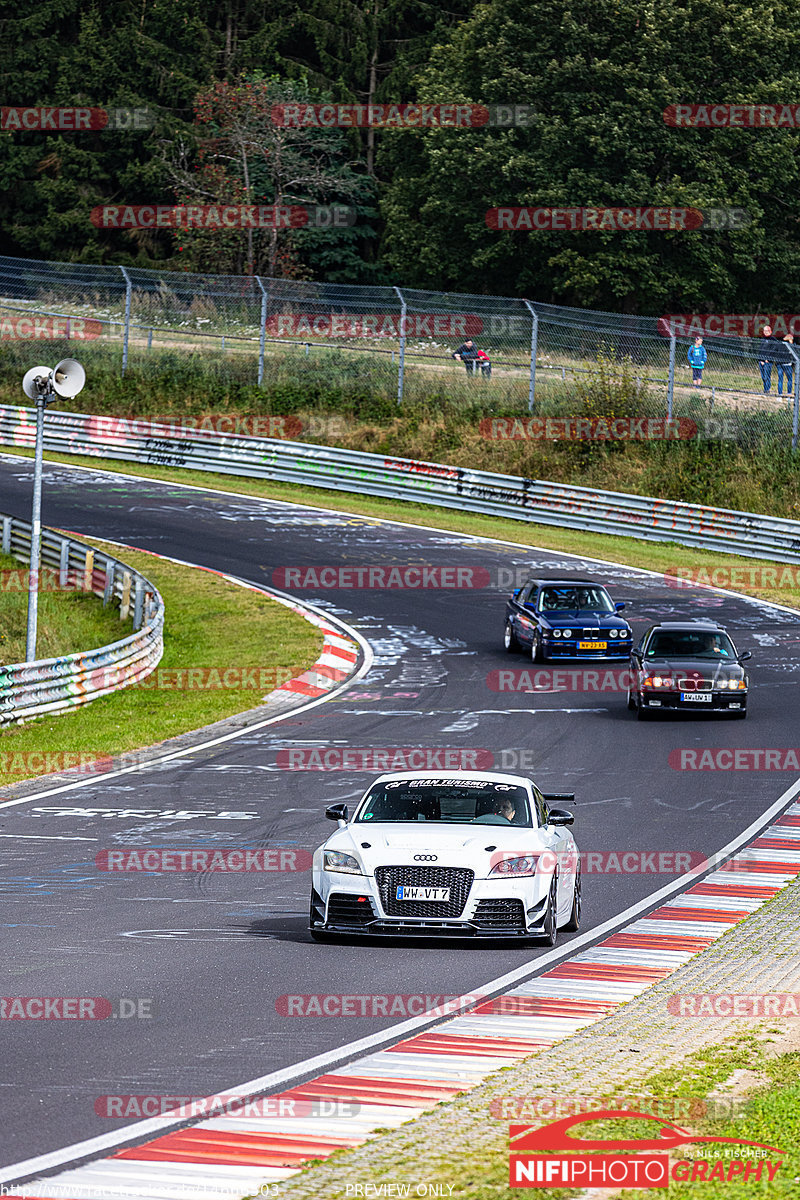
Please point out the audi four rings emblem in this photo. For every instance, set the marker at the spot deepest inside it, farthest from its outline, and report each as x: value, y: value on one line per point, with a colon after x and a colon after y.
x: 425, y: 858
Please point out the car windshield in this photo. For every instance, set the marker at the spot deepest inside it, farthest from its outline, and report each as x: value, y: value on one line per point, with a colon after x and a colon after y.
x: 575, y: 599
x: 691, y: 643
x: 446, y: 802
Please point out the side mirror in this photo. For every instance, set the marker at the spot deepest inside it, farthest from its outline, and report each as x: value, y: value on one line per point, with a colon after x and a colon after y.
x: 636, y: 655
x: 560, y: 816
x: 618, y: 607
x: 558, y: 798
x: 336, y: 812
x: 744, y: 657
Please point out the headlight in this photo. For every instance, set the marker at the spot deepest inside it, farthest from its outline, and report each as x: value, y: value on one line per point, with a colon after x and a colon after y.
x: 335, y: 860
x: 658, y: 681
x: 612, y: 633
x: 516, y: 866
x: 566, y: 633
x: 735, y: 685
x: 556, y: 633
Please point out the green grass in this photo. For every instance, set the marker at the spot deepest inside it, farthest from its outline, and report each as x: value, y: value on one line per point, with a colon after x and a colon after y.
x: 68, y: 621
x: 210, y: 623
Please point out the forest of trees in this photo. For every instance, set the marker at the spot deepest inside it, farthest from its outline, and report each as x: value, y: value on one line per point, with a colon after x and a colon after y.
x: 595, y: 75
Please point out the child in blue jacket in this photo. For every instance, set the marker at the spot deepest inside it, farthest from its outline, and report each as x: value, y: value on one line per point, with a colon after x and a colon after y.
x: 696, y: 357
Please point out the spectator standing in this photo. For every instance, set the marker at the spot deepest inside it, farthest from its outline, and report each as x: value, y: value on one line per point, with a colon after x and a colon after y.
x: 467, y: 353
x: 767, y: 353
x: 696, y: 357
x: 783, y: 363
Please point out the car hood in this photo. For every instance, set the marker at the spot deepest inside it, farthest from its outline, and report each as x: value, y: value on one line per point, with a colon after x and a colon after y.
x: 690, y: 668
x: 472, y: 846
x: 583, y: 620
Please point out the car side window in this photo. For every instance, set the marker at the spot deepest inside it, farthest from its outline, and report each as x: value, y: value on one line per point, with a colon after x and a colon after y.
x: 541, y: 807
x: 525, y: 594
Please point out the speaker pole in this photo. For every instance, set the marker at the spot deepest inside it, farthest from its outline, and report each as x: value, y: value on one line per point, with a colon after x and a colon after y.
x: 36, y: 527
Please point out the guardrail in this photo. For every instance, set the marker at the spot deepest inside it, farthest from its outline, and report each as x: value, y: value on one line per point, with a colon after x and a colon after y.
x: 57, y: 685
x: 752, y: 535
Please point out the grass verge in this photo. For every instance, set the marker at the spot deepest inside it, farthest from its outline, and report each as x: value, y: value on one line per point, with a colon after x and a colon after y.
x: 211, y: 626
x: 68, y: 621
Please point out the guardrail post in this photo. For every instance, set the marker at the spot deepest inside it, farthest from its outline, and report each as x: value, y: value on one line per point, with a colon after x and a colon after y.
x: 796, y: 392
x: 63, y: 564
x: 88, y: 570
x: 127, y: 330
x: 671, y: 379
x: 401, y: 370
x: 108, y: 588
x: 138, y: 604
x: 534, y: 349
x: 125, y: 602
x: 263, y: 337
x: 7, y: 535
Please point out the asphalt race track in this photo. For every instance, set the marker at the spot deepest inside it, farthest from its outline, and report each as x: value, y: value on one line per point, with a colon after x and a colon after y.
x: 213, y: 953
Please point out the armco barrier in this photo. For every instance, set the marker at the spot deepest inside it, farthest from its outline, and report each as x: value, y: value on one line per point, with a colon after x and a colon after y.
x: 754, y: 535
x: 56, y: 685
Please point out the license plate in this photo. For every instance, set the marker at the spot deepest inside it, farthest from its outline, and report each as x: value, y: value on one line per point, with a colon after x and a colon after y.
x: 697, y: 697
x: 592, y: 645
x: 423, y: 893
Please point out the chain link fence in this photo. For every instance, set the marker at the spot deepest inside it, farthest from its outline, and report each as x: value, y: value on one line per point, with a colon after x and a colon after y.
x: 300, y: 337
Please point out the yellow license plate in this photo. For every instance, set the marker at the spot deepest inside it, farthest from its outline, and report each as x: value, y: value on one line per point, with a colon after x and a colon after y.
x: 592, y: 645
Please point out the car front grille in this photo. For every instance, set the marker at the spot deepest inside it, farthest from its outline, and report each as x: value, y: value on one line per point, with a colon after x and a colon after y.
x: 458, y: 879
x: 695, y: 685
x: 346, y: 909
x: 493, y: 914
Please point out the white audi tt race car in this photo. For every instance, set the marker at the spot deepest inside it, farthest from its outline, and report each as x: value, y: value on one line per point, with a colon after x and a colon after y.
x: 471, y: 853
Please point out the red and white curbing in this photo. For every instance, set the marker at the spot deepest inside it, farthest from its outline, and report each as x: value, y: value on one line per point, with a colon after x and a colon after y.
x: 337, y: 661
x: 228, y: 1156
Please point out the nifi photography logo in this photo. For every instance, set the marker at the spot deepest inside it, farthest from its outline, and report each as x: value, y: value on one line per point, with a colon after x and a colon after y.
x: 537, y: 1157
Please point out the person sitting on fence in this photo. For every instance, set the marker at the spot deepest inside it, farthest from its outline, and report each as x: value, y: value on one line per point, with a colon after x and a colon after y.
x: 472, y: 358
x: 783, y: 363
x: 696, y: 357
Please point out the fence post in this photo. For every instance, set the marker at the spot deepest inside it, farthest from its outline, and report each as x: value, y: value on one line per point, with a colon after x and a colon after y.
x: 401, y: 370
x: 671, y: 379
x: 534, y: 344
x: 126, y: 334
x: 263, y: 338
x: 796, y: 391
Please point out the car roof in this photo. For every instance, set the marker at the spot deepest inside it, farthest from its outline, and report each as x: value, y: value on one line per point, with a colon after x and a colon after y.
x: 701, y: 624
x: 560, y: 581
x: 492, y: 776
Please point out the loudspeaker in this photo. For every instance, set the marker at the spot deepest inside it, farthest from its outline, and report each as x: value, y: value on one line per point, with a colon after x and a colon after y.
x: 68, y: 378
x: 29, y: 386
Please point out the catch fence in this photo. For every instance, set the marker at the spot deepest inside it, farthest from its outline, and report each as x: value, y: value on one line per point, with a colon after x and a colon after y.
x: 319, y: 338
